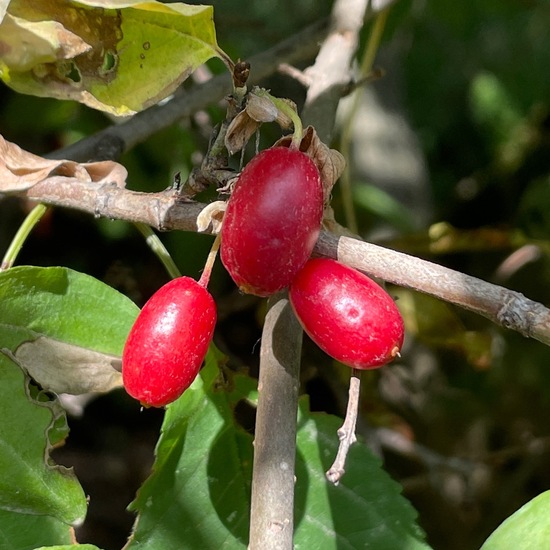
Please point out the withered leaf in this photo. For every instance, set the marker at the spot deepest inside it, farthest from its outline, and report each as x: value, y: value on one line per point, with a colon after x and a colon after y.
x: 66, y: 368
x: 239, y: 132
x: 258, y: 109
x: 20, y: 170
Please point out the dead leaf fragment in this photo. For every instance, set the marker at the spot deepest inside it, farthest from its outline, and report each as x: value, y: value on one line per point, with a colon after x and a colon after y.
x: 66, y: 368
x: 211, y: 214
x: 258, y: 109
x: 21, y: 170
x: 239, y: 132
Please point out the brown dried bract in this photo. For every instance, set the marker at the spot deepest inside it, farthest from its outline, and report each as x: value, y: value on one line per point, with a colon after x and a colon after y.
x: 258, y: 109
x: 211, y: 215
x: 241, y: 129
x: 329, y: 162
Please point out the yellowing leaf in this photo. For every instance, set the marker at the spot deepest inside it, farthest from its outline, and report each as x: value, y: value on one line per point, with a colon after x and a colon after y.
x: 116, y: 56
x: 26, y: 44
x: 437, y: 324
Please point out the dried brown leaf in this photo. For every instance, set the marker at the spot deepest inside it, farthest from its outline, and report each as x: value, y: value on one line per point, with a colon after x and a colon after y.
x: 20, y: 170
x: 66, y: 368
x: 258, y: 109
x: 239, y: 132
x: 27, y: 43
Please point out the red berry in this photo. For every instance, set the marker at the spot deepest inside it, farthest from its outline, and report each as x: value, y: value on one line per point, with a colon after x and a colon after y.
x: 346, y: 314
x: 272, y: 220
x: 168, y: 342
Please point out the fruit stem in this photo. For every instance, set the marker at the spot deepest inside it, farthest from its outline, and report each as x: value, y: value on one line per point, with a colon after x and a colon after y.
x: 205, y: 277
x: 289, y: 111
x: 346, y: 433
x: 33, y: 217
x: 155, y: 244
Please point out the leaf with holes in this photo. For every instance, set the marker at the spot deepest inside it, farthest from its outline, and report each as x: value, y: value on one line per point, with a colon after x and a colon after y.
x: 119, y: 56
x: 31, y: 425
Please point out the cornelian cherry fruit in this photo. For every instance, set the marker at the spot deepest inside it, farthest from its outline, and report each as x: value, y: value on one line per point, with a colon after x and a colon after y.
x: 347, y: 314
x: 272, y: 220
x: 168, y: 342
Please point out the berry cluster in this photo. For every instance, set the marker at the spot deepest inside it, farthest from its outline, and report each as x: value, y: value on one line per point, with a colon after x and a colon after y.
x: 270, y: 228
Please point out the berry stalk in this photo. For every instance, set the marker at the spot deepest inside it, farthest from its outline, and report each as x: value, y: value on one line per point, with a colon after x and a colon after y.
x: 34, y: 216
x: 156, y: 245
x: 208, y: 266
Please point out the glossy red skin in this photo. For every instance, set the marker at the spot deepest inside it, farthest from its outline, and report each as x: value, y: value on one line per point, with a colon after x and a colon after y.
x: 272, y: 220
x: 348, y: 315
x: 168, y: 342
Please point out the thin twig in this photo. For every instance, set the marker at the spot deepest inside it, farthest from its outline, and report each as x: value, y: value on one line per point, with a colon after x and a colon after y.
x: 346, y: 433
x: 504, y: 307
x: 371, y: 49
x: 115, y: 140
x: 331, y: 73
x: 165, y: 211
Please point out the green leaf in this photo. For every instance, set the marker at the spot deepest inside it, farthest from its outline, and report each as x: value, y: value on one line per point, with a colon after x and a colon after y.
x: 70, y: 547
x: 30, y: 483
x: 65, y: 305
x: 119, y: 56
x: 199, y: 489
x: 66, y: 329
x: 529, y: 527
x: 25, y: 532
x: 366, y: 509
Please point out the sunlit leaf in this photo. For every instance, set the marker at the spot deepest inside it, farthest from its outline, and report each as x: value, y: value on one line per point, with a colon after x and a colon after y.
x: 366, y: 509
x: 26, y: 531
x: 119, y: 56
x: 64, y: 328
x: 30, y: 483
x: 199, y: 491
x: 529, y: 527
